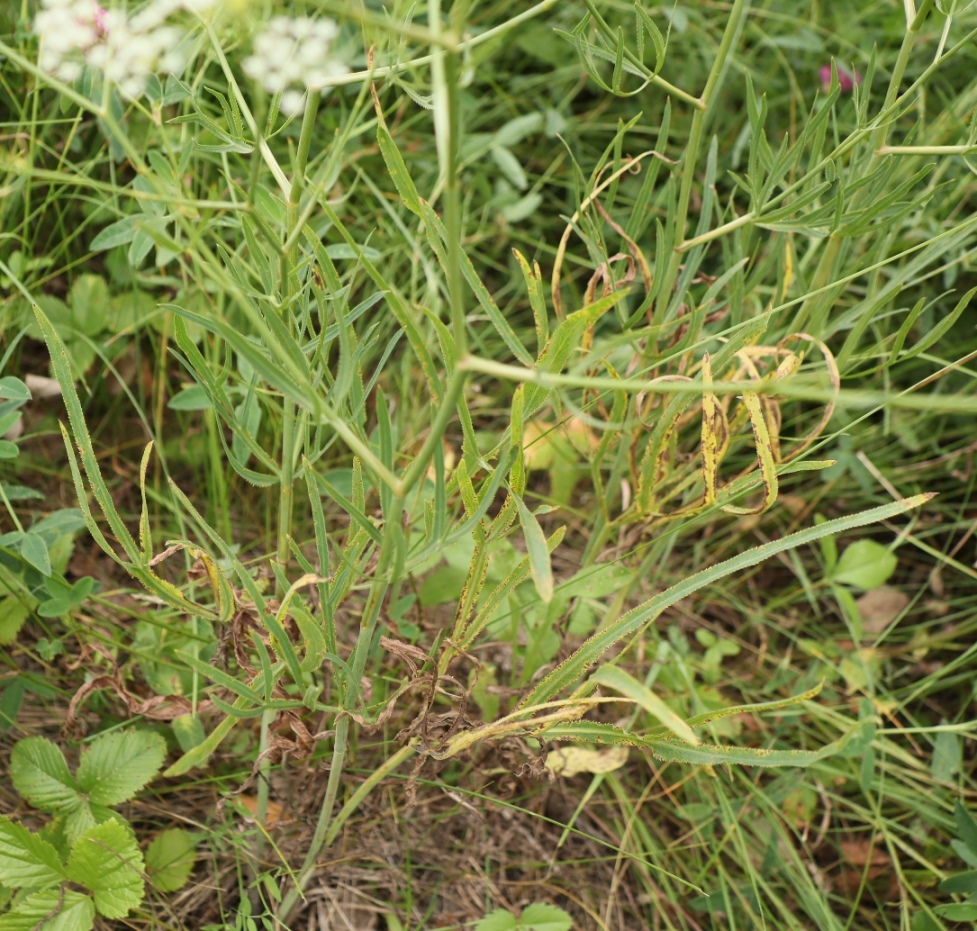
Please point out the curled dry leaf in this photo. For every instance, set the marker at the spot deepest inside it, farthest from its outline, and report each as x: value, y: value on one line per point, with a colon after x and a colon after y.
x: 274, y: 812
x: 569, y: 761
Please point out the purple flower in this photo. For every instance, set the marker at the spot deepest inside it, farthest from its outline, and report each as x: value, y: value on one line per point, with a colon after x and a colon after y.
x: 845, y: 78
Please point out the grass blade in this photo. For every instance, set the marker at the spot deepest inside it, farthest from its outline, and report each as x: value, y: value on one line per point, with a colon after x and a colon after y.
x: 628, y: 624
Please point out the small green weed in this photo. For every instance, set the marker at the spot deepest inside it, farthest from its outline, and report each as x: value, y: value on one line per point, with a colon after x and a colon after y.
x: 539, y: 917
x: 86, y: 843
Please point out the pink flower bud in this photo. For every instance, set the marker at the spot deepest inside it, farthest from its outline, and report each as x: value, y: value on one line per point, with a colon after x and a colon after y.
x: 846, y: 80
x: 101, y: 19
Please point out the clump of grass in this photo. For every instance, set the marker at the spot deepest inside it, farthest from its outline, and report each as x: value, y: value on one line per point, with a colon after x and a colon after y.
x: 488, y: 405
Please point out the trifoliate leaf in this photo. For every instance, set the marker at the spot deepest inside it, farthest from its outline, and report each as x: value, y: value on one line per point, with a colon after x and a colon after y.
x: 26, y: 860
x: 51, y: 911
x: 169, y: 859
x: 541, y: 917
x: 116, y: 766
x: 13, y: 613
x: 78, y: 822
x: 40, y: 774
x: 501, y: 919
x: 538, y: 917
x: 106, y: 859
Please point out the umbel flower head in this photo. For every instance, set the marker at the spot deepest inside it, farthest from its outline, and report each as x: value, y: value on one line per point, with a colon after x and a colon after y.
x: 128, y: 54
x: 127, y: 49
x: 292, y: 55
x: 67, y: 30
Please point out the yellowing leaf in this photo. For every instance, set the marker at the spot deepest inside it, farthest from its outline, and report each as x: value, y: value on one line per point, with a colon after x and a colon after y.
x: 569, y: 761
x: 274, y: 812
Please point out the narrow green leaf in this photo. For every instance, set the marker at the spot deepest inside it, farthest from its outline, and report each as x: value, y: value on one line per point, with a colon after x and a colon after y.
x: 322, y: 549
x: 534, y: 285
x: 217, y: 676
x: 594, y: 732
x: 564, y: 341
x: 619, y: 680
x: 966, y: 827
x: 199, y: 754
x: 398, y: 169
x: 706, y: 755
x: 904, y: 330
x: 313, y: 638
x: 539, y: 555
x: 634, y: 620
x: 89, y: 462
x: 115, y: 234
x: 756, y: 708
x: 145, y: 533
x: 272, y: 361
x: 516, y: 429
x: 958, y: 911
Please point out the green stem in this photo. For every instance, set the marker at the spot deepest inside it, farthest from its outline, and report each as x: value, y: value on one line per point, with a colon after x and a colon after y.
x: 298, y: 173
x: 813, y: 312
x: 445, y: 81
x: 327, y: 832
x: 266, y: 153
x: 638, y: 67
x: 899, y: 70
x: 418, y: 467
x: 926, y: 149
x: 692, y: 154
x: 447, y: 121
x: 291, y: 442
x: 366, y: 787
x: 823, y: 289
x: 390, y: 545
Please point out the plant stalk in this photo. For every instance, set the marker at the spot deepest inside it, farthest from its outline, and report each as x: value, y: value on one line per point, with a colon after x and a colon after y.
x: 736, y: 14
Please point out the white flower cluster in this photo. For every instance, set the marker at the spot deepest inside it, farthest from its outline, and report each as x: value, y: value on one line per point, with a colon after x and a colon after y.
x: 67, y: 27
x: 292, y: 55
x: 74, y: 33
